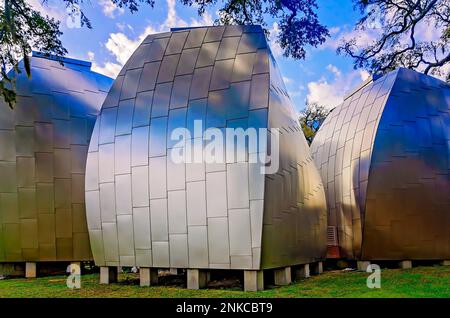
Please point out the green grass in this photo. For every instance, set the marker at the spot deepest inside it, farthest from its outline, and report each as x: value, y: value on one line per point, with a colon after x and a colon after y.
x: 417, y: 282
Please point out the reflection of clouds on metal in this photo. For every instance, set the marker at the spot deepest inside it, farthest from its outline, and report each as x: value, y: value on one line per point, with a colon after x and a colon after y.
x: 384, y: 157
x: 43, y: 149
x: 145, y: 210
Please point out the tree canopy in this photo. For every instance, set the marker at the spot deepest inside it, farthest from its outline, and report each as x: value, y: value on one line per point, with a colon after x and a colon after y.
x: 311, y: 118
x: 22, y: 28
x: 398, y: 43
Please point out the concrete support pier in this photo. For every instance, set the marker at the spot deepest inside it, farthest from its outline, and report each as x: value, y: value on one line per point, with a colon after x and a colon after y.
x: 302, y: 272
x: 108, y: 275
x: 446, y: 262
x: 317, y: 268
x: 196, y: 279
x: 282, y: 276
x: 405, y: 264
x: 362, y: 265
x: 148, y: 276
x: 253, y: 280
x: 30, y: 270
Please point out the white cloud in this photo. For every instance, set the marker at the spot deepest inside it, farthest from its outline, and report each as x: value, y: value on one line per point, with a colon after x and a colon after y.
x: 363, y: 37
x: 333, y: 69
x: 287, y: 80
x: 120, y: 46
x: 50, y: 8
x: 275, y: 47
x: 109, y: 69
x: 331, y: 93
x: 334, y: 30
x: 110, y: 9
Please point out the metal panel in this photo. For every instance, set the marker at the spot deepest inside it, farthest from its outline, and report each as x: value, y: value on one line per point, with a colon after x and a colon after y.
x: 168, y: 68
x: 177, y: 119
x: 195, y: 38
x: 140, y: 186
x: 107, y: 204
x: 106, y: 158
x: 139, y: 146
x: 177, y: 212
x: 111, y: 248
x: 124, y: 117
x: 141, y: 220
x: 122, y: 154
x: 123, y: 194
x: 196, y: 203
x: 178, y: 247
x: 187, y: 61
x: 125, y: 235
x: 148, y: 77
x: 216, y: 200
x: 159, y: 221
x: 142, y: 109
x: 198, y: 246
x: 200, y: 82
x: 243, y: 67
x: 107, y: 125
x: 238, y: 197
x: 130, y: 84
x: 157, y: 178
x: 157, y: 144
x: 161, y: 98
x: 240, y: 233
x: 221, y: 75
x: 228, y: 47
x: 207, y: 54
x: 160, y: 254
x: 176, y: 42
x: 176, y: 175
x: 180, y: 91
x: 218, y: 241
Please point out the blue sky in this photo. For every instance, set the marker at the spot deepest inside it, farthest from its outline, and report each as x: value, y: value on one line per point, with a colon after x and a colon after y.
x: 323, y: 77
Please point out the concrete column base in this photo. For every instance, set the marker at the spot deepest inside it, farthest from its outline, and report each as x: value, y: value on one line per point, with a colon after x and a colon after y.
x: 445, y: 262
x: 302, y: 272
x: 148, y: 276
x: 282, y: 276
x: 196, y: 279
x: 362, y: 265
x: 30, y: 270
x: 173, y: 271
x: 253, y: 280
x: 317, y: 268
x: 405, y: 264
x: 108, y: 275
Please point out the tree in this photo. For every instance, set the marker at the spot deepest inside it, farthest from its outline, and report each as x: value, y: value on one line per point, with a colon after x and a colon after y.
x: 311, y: 118
x: 22, y: 28
x: 398, y: 44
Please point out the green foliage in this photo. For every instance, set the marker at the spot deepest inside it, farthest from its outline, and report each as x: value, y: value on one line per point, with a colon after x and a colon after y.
x: 22, y: 28
x: 397, y: 23
x: 311, y: 118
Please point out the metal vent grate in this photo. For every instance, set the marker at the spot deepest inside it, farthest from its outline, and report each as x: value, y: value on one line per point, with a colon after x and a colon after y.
x: 332, y: 236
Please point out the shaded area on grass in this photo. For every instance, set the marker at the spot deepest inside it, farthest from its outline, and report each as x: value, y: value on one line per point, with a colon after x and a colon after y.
x: 417, y: 282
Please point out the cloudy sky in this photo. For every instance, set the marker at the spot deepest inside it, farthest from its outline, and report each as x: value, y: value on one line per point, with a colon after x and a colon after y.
x: 322, y: 77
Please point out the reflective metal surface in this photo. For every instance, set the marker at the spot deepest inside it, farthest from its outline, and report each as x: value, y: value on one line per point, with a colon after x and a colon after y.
x: 384, y: 157
x: 43, y: 148
x: 201, y: 215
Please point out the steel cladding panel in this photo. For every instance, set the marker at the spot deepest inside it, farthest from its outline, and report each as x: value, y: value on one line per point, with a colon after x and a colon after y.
x: 43, y: 150
x: 202, y: 214
x: 391, y: 180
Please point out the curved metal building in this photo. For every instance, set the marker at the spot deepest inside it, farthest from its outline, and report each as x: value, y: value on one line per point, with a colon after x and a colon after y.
x: 145, y: 210
x: 384, y: 158
x: 43, y: 147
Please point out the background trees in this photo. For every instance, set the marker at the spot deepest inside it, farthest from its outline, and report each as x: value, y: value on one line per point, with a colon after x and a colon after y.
x: 398, y: 44
x: 311, y: 118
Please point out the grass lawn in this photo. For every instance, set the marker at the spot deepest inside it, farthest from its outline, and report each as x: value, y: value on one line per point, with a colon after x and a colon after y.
x: 417, y: 282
